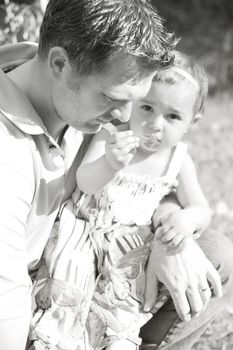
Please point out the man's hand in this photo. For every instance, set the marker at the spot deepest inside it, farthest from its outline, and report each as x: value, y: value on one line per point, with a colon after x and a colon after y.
x: 174, y: 228
x: 188, y: 275
x: 120, y: 149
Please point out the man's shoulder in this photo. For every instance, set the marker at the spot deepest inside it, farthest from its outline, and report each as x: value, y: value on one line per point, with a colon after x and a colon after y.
x: 12, y: 55
x: 16, y: 148
x: 9, y: 130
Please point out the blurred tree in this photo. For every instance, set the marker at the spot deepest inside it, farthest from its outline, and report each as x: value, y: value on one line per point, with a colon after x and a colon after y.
x: 205, y: 28
x: 206, y: 31
x: 24, y: 2
x: 19, y: 20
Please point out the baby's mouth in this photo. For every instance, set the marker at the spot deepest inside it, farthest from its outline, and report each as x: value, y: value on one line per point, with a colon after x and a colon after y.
x: 152, y: 140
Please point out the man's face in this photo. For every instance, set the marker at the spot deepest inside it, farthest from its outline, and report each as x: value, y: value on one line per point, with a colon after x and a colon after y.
x: 88, y: 102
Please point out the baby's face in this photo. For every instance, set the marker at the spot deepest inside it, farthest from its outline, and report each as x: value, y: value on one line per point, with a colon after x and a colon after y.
x: 161, y: 118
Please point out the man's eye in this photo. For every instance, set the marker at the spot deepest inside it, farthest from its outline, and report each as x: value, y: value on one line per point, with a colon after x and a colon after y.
x: 147, y: 108
x: 173, y: 116
x: 109, y: 99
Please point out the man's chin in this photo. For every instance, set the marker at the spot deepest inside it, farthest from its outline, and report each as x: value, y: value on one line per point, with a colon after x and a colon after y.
x: 91, y: 129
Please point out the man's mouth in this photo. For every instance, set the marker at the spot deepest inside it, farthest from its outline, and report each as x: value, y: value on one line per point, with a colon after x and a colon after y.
x: 102, y: 120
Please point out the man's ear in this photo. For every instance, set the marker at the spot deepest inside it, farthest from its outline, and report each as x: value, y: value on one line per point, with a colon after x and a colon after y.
x: 196, y: 117
x: 58, y: 61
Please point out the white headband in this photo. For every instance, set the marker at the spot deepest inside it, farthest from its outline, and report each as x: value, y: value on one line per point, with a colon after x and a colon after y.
x: 186, y: 75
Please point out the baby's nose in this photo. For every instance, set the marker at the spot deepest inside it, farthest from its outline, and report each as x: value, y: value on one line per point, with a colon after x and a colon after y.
x: 157, y: 124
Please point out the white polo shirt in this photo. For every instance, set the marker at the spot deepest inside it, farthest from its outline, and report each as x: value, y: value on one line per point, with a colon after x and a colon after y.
x: 33, y: 173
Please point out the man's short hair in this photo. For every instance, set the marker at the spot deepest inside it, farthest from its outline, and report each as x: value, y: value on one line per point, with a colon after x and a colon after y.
x: 94, y: 32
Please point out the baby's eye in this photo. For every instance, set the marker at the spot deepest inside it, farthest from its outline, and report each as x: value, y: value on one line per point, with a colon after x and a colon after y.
x: 147, y: 108
x: 173, y: 116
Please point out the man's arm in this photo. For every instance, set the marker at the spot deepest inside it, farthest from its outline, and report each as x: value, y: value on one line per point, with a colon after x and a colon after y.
x: 17, y: 191
x: 184, y: 274
x: 14, y: 332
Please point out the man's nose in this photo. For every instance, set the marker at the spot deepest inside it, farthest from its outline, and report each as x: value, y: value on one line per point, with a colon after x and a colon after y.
x: 156, y: 124
x: 122, y: 112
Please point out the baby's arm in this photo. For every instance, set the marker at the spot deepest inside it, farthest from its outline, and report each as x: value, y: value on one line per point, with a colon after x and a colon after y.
x: 194, y: 215
x: 105, y: 156
x: 122, y: 344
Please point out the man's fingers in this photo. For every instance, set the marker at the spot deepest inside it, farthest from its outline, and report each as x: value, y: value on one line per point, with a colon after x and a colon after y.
x: 215, y: 281
x: 195, y: 300
x: 205, y: 293
x: 181, y: 304
x: 161, y: 300
x: 151, y: 290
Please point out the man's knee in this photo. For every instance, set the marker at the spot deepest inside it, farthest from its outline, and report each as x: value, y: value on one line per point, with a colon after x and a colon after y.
x: 219, y: 249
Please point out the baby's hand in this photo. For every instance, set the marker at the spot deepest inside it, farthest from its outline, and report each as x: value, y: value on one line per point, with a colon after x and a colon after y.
x: 121, y: 148
x: 173, y: 230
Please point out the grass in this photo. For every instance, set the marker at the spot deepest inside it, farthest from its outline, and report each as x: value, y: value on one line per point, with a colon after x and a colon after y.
x: 211, y: 146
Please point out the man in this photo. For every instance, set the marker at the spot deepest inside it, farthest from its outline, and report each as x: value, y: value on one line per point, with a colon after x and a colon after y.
x: 94, y: 58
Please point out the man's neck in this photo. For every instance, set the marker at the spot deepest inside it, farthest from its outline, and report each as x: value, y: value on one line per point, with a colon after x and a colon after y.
x: 33, y: 80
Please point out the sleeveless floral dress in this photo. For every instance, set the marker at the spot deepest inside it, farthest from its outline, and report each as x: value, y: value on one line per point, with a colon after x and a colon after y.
x: 121, y: 234
x: 80, y: 307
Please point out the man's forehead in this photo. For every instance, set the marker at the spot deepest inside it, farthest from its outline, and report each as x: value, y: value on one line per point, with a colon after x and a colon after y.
x: 126, y: 68
x: 127, y: 89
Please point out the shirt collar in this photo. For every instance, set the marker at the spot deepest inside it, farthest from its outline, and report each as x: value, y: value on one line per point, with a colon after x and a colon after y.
x: 12, y: 55
x: 16, y: 107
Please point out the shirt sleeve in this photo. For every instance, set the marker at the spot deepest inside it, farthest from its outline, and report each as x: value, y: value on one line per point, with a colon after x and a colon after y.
x: 16, y: 195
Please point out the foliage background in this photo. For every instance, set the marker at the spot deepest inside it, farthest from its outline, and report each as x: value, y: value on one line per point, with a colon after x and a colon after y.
x: 206, y: 31
x: 205, y: 26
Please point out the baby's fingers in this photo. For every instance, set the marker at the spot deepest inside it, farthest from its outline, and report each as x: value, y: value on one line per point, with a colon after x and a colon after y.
x: 175, y: 242
x: 123, y: 137
x: 168, y: 236
x: 162, y: 230
x: 120, y: 135
x: 129, y: 148
x: 129, y: 141
x: 126, y: 158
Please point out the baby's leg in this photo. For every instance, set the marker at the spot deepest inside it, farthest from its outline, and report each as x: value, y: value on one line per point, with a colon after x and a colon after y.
x: 118, y: 297
x: 122, y: 344
x: 63, y: 303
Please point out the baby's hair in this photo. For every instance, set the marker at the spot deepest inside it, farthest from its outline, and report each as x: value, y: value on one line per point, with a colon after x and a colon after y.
x: 185, y: 68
